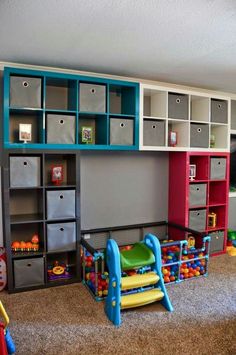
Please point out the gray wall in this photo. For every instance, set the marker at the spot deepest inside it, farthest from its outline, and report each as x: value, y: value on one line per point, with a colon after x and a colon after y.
x: 122, y: 188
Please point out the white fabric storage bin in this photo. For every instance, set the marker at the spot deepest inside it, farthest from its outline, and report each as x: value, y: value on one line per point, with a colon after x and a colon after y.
x: 197, y: 194
x: 199, y: 135
x: 153, y: 133
x: 24, y: 171
x: 92, y: 98
x: 60, y: 129
x: 60, y: 204
x: 61, y: 236
x: 25, y: 92
x: 121, y: 131
x: 218, y: 169
x: 28, y: 272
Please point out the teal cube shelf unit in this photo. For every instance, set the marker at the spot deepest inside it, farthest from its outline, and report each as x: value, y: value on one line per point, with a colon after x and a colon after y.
x: 67, y: 111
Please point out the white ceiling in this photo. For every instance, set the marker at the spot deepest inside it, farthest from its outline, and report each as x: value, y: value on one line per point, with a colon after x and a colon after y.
x: 191, y: 42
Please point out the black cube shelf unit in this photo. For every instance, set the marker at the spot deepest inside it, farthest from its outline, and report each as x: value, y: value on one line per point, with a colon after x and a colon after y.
x: 68, y: 111
x: 34, y: 205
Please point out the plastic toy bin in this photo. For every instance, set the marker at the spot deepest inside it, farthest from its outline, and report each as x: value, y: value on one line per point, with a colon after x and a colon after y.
x: 180, y: 260
x: 60, y: 204
x: 25, y: 92
x: 92, y: 98
x: 61, y: 236
x: 24, y: 171
x: 29, y: 272
x: 60, y: 129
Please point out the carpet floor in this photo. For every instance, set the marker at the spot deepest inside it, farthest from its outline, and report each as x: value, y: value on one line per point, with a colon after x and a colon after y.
x: 66, y: 319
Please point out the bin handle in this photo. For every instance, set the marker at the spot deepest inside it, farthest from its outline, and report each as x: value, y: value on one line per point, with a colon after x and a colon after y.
x: 4, y: 314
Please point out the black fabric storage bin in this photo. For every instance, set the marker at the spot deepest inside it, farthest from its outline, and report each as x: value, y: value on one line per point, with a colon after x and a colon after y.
x: 25, y: 92
x: 219, y: 111
x: 60, y: 129
x: 29, y: 272
x: 218, y: 169
x: 199, y: 135
x: 61, y: 236
x: 121, y: 131
x: 92, y: 98
x: 24, y: 171
x: 60, y: 204
x: 153, y: 133
x: 178, y: 106
x: 197, y: 220
x: 197, y: 195
x: 217, y: 242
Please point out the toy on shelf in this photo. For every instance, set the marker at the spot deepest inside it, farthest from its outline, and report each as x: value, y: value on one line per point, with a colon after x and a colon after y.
x: 57, y: 174
x: 192, y: 172
x: 58, y: 271
x: 231, y: 243
x: 23, y: 246
x: 87, y: 135
x: 191, y: 242
x: 7, y: 345
x: 212, y: 220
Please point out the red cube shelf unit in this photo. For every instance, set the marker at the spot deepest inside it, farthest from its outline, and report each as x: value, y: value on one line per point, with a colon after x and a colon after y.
x: 200, y: 202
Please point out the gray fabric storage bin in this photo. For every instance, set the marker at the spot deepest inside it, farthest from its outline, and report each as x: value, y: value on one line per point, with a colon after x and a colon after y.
x: 24, y: 171
x: 153, y: 133
x: 60, y: 129
x: 217, y: 242
x: 219, y: 111
x: 218, y: 169
x: 61, y: 236
x: 199, y: 135
x: 178, y: 106
x: 60, y: 204
x: 197, y: 195
x: 197, y: 220
x: 121, y: 131
x: 92, y: 98
x: 29, y: 272
x: 25, y: 92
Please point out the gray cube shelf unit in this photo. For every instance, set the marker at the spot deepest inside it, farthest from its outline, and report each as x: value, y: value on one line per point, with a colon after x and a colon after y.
x: 34, y: 205
x: 68, y: 111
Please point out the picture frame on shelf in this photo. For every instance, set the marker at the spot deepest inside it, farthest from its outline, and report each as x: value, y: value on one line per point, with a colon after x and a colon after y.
x: 87, y: 134
x: 172, y: 138
x: 25, y: 132
x: 57, y: 174
x: 192, y: 171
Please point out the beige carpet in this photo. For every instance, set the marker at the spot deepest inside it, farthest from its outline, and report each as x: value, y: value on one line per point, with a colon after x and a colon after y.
x: 66, y: 320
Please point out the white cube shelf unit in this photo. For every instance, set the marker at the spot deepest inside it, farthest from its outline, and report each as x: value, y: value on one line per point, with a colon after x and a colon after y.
x: 200, y: 121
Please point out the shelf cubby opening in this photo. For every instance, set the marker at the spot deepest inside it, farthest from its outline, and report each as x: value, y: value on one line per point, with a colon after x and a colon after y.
x: 34, y: 121
x: 121, y: 100
x: 93, y: 129
x: 61, y: 266
x: 202, y: 166
x: 200, y: 108
x: 220, y: 212
x: 219, y: 136
x: 23, y: 239
x: 217, y: 192
x: 180, y: 129
x: 60, y: 94
x: 154, y: 103
x: 26, y: 205
x: 68, y: 164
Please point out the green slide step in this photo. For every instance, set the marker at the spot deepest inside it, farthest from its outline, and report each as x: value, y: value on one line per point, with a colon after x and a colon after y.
x: 140, y: 255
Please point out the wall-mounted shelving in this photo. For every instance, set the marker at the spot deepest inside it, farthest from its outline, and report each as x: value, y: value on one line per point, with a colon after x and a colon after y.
x: 193, y: 202
x: 70, y: 111
x: 38, y: 205
x: 198, y: 121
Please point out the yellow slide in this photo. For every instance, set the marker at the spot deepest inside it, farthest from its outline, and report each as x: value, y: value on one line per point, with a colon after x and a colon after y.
x: 139, y: 280
x: 141, y: 298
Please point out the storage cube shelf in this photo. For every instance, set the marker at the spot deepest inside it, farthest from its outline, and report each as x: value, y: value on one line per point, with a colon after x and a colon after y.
x: 199, y: 122
x: 200, y: 202
x: 42, y: 219
x: 58, y: 106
